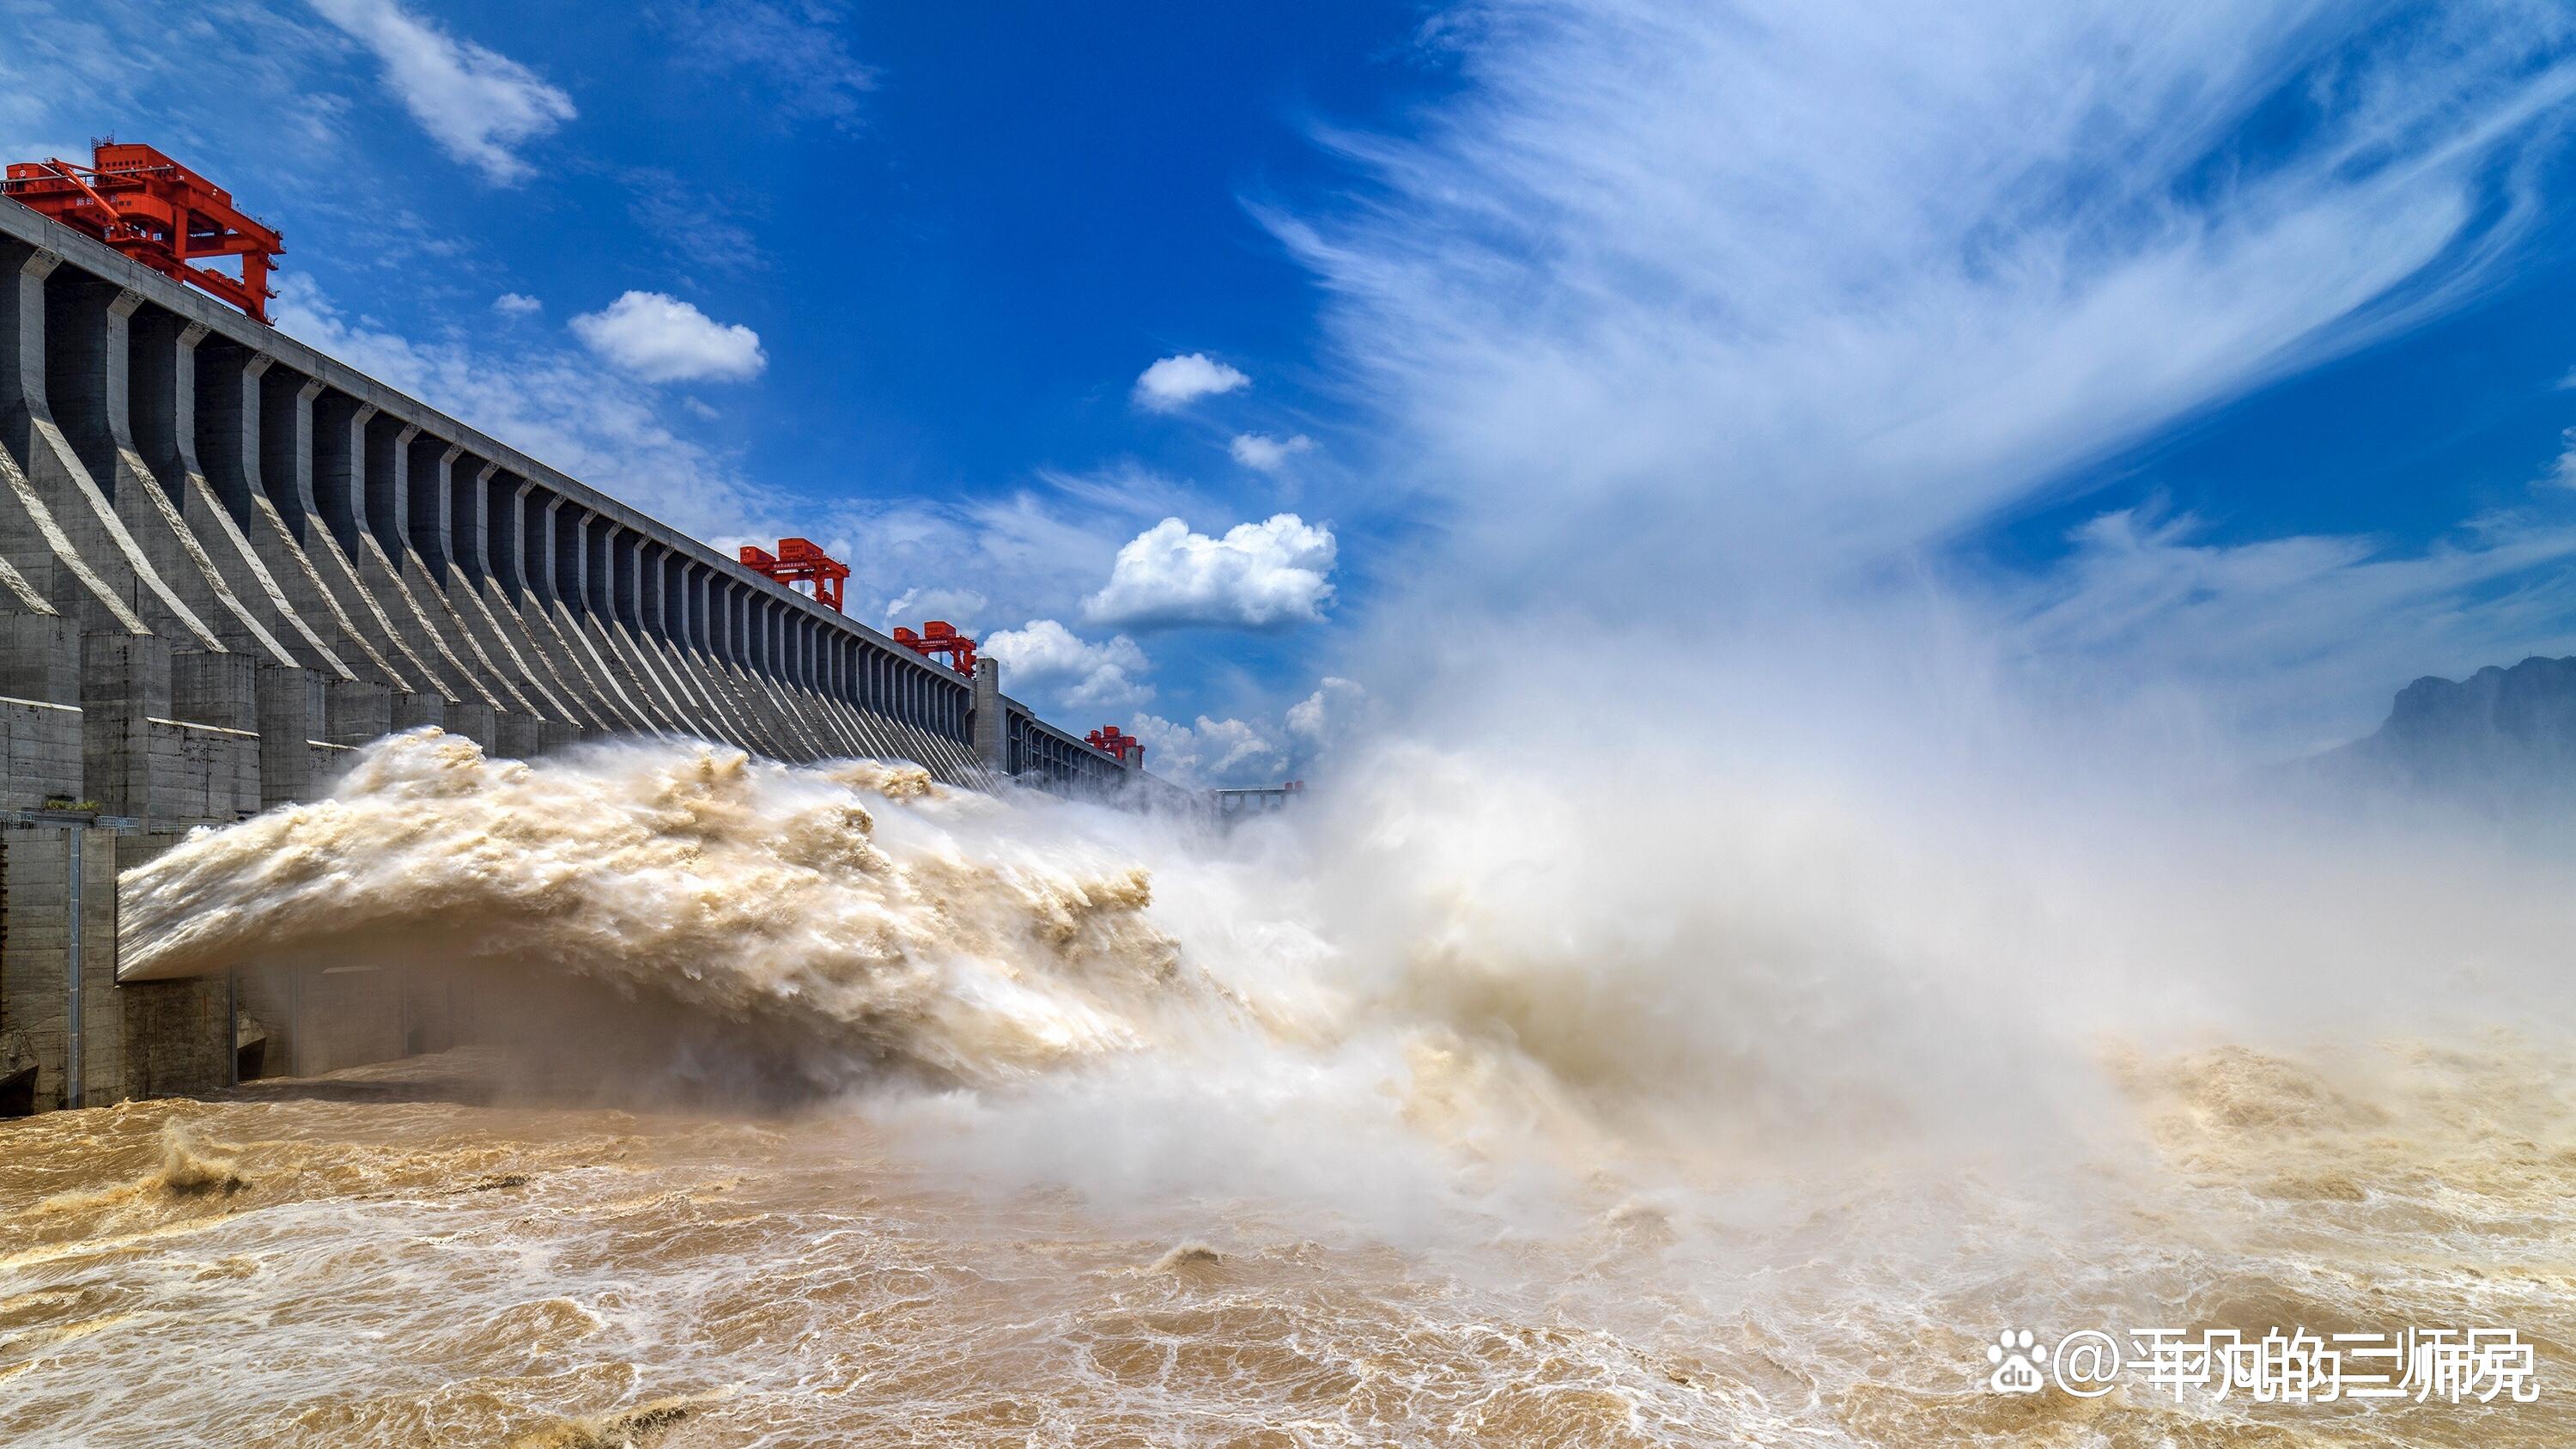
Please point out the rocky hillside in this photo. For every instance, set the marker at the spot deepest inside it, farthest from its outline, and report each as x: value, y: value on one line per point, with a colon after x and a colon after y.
x: 2504, y: 733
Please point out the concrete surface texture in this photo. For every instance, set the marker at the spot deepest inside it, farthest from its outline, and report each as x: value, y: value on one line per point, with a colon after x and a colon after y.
x: 226, y: 560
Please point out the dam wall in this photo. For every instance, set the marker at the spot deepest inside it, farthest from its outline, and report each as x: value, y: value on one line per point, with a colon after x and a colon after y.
x: 227, y: 560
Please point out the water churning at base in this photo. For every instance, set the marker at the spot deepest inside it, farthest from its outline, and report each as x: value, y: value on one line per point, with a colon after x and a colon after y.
x: 1467, y: 1112
x: 857, y: 902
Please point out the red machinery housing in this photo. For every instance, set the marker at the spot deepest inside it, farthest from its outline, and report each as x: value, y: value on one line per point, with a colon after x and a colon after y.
x: 1108, y: 738
x: 940, y: 637
x: 798, y: 561
x: 157, y: 212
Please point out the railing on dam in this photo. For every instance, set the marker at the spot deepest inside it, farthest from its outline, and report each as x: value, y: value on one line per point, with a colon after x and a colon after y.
x: 209, y: 525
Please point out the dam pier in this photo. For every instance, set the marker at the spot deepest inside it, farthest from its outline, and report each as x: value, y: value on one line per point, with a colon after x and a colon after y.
x: 228, y: 560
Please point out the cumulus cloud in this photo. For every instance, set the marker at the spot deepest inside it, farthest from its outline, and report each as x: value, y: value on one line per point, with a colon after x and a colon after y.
x: 1321, y: 717
x: 1176, y: 382
x: 1266, y: 453
x: 553, y: 404
x: 968, y: 559
x: 660, y: 338
x: 1051, y: 659
x: 1213, y: 752
x: 477, y: 104
x: 517, y: 304
x: 1260, y: 575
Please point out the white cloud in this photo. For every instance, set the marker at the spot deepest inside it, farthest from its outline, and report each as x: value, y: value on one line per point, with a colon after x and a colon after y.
x: 516, y: 304
x: 660, y: 338
x: 1259, y: 575
x: 552, y: 404
x: 43, y: 150
x: 2271, y: 623
x: 210, y: 68
x: 805, y: 69
x: 1320, y: 718
x: 1176, y: 382
x: 1020, y: 555
x: 1124, y: 489
x: 1214, y: 752
x: 916, y: 606
x: 1823, y: 289
x: 1269, y: 454
x: 2563, y: 472
x: 477, y: 104
x: 702, y: 231
x: 1051, y: 659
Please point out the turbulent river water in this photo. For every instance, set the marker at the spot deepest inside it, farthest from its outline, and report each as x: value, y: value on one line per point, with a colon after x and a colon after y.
x: 843, y: 1109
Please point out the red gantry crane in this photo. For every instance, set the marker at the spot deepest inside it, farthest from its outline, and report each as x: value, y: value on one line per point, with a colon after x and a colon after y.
x: 798, y: 561
x: 940, y: 637
x: 1110, y: 739
x: 157, y: 212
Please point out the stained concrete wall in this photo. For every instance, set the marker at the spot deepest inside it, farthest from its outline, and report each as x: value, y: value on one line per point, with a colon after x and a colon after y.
x: 175, y: 471
x: 226, y: 560
x: 62, y: 1040
x: 40, y: 753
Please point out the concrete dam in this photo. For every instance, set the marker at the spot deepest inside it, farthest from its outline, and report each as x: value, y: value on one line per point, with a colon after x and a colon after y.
x: 227, y: 560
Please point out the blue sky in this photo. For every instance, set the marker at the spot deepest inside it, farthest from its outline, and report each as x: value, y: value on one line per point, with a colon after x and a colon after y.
x: 2219, y: 347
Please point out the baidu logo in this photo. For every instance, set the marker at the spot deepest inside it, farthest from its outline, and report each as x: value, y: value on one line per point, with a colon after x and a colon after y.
x: 2016, y: 1355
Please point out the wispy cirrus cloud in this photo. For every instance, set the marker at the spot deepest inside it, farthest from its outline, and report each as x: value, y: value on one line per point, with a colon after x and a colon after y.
x: 2281, y: 626
x: 796, y: 48
x: 479, y: 105
x: 1822, y: 290
x: 701, y: 230
x: 201, y: 73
